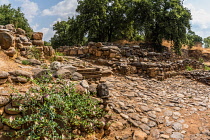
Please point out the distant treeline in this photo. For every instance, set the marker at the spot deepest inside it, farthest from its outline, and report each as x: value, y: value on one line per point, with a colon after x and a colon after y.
x: 110, y: 20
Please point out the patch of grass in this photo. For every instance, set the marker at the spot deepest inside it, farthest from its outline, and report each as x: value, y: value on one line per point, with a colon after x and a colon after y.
x: 59, y: 54
x: 206, y: 67
x: 201, y: 60
x: 189, y: 68
x: 56, y: 112
x: 25, y: 62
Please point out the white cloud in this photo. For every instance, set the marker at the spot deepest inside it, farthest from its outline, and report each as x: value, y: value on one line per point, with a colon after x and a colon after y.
x: 4, y: 2
x: 64, y: 9
x: 29, y: 8
x: 34, y: 27
x: 200, y: 17
x: 48, y: 33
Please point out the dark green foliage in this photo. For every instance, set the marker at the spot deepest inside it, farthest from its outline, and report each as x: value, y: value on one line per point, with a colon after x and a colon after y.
x: 10, y: 15
x: 56, y: 111
x: 110, y: 20
x: 47, y: 43
x: 192, y: 38
x: 207, y: 42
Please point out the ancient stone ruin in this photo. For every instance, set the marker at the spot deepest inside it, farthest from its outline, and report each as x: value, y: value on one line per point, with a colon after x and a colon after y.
x: 16, y: 42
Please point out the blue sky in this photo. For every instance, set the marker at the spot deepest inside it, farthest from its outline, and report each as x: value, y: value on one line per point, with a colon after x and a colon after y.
x: 42, y: 14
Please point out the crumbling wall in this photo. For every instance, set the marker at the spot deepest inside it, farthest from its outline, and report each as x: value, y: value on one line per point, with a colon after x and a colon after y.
x: 15, y: 42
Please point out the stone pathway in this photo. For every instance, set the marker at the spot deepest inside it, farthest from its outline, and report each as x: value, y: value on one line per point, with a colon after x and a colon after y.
x: 177, y: 108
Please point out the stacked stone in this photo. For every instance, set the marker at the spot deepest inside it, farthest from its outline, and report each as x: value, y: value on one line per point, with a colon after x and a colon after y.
x: 17, y: 76
x: 11, y: 38
x: 3, y: 77
x: 37, y: 39
x: 93, y: 49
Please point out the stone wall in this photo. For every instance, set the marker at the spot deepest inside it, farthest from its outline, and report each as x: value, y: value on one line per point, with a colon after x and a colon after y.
x: 15, y: 42
x: 135, y: 59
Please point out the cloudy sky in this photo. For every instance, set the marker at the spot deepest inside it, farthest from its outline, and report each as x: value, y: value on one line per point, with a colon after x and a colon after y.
x: 42, y: 14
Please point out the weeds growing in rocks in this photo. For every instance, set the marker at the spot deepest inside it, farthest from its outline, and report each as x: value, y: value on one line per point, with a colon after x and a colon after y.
x: 54, y: 110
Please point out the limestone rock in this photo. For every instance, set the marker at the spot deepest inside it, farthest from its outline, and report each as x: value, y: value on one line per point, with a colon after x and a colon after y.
x: 10, y: 52
x: 19, y: 79
x: 11, y: 110
x: 3, y: 81
x: 21, y: 73
x: 55, y: 65
x: 38, y: 42
x: 34, y: 62
x: 6, y: 40
x: 37, y: 36
x: 63, y: 73
x: 3, y: 74
x: 4, y: 100
x: 72, y: 69
x: 139, y: 135
x: 92, y: 88
x: 76, y: 76
x: 20, y: 31
x: 84, y: 84
x: 177, y: 135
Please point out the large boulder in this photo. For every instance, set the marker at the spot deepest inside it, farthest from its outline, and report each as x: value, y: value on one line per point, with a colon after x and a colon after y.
x: 6, y: 40
x: 37, y: 36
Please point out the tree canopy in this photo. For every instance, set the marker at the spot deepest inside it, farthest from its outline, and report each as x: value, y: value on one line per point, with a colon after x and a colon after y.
x: 206, y: 42
x: 192, y: 38
x: 10, y: 15
x: 110, y: 20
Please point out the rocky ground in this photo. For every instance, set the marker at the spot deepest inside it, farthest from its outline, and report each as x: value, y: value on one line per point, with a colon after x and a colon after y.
x: 142, y: 108
x: 177, y: 108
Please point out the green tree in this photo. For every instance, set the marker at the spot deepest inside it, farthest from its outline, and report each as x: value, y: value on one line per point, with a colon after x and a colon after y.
x: 10, y: 15
x: 110, y: 20
x: 192, y: 38
x: 163, y: 19
x: 206, y: 42
x: 61, y: 35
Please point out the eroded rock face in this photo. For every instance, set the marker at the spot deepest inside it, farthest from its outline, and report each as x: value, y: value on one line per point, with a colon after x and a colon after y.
x: 6, y: 40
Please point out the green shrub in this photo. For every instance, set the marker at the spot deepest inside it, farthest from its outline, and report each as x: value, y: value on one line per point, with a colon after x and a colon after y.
x: 189, y: 68
x: 206, y: 67
x: 201, y: 60
x: 35, y: 53
x: 56, y: 112
x: 25, y: 62
x: 59, y: 54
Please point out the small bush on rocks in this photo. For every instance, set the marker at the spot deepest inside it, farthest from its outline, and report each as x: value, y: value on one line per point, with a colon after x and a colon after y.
x: 54, y: 110
x: 25, y: 62
x: 189, y: 68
